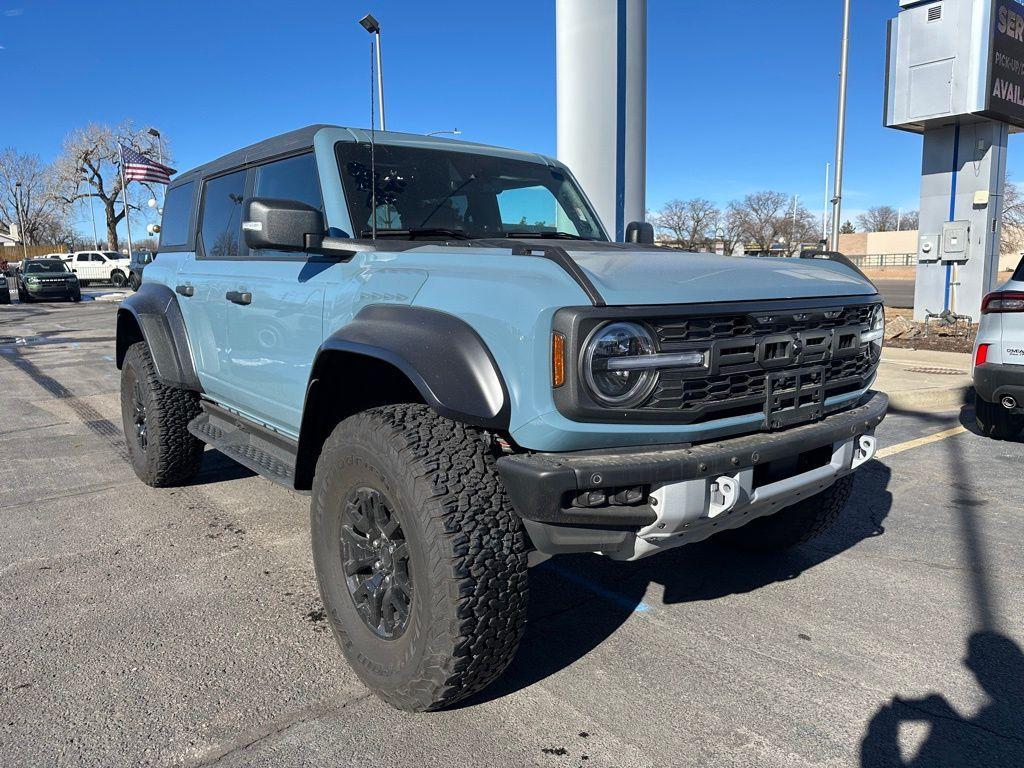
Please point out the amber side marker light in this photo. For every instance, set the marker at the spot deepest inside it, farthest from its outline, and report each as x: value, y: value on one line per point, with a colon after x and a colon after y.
x: 557, y: 359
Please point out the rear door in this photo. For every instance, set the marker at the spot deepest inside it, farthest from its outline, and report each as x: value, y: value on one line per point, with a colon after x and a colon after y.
x: 205, y: 277
x: 82, y: 266
x: 275, y: 320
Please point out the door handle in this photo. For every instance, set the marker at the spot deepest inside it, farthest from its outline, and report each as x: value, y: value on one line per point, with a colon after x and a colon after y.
x: 238, y: 297
x: 186, y: 290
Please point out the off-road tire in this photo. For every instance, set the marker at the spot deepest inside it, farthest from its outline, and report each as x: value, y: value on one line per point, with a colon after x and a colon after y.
x: 467, y: 554
x: 118, y: 279
x: 995, y: 421
x: 171, y: 455
x: 133, y: 281
x: 793, y: 525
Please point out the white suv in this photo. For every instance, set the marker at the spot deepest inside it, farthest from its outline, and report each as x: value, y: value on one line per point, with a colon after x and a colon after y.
x: 99, y: 267
x: 999, y: 361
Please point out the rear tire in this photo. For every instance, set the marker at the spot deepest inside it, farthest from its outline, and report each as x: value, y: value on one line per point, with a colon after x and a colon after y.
x: 793, y: 525
x: 161, y: 449
x: 995, y: 421
x: 459, y: 571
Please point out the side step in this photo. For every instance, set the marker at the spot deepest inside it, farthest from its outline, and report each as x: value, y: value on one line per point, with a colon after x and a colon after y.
x: 251, y: 445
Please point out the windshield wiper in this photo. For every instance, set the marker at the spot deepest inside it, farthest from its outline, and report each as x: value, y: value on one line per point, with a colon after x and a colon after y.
x: 415, y: 232
x: 546, y: 235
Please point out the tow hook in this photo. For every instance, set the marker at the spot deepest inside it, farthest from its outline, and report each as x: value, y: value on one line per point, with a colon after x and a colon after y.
x: 864, y: 450
x: 725, y: 492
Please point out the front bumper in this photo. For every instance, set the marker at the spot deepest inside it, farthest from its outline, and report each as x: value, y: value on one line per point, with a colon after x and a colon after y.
x: 993, y: 382
x: 53, y: 291
x: 545, y: 488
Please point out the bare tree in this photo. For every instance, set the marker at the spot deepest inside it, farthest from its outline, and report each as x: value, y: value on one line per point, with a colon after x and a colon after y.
x: 799, y: 228
x: 760, y: 217
x: 909, y: 220
x: 88, y: 168
x: 40, y: 211
x: 1012, y: 222
x: 688, y: 222
x: 880, y: 218
x: 729, y: 228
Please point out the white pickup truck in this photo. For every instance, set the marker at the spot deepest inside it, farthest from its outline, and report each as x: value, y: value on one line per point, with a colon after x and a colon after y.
x: 99, y: 267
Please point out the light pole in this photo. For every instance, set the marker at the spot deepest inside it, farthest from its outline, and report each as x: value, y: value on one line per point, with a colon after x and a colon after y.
x: 372, y: 26
x: 837, y: 198
x: 21, y: 223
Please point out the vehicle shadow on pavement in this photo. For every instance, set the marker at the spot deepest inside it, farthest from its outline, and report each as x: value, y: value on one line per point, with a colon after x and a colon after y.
x: 994, y: 735
x: 218, y: 468
x: 578, y: 601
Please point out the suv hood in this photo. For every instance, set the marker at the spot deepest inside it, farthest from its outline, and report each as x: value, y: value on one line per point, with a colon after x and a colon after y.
x: 636, y: 275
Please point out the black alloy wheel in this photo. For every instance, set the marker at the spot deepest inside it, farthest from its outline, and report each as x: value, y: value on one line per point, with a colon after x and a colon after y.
x: 375, y: 561
x: 139, y: 415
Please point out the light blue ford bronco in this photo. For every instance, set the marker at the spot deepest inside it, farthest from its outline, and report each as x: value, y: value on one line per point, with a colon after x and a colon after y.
x: 438, y: 342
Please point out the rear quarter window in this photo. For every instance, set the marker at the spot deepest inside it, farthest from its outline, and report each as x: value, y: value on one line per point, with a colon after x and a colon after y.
x: 177, y: 214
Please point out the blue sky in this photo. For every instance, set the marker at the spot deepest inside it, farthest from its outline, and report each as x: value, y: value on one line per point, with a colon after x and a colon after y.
x: 741, y: 94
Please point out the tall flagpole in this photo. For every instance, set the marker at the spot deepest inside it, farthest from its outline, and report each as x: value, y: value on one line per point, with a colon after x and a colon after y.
x: 124, y: 198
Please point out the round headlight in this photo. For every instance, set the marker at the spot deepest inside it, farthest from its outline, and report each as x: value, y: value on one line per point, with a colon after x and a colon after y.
x: 612, y: 384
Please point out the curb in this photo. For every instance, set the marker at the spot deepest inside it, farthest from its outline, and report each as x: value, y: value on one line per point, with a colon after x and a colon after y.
x: 931, y: 400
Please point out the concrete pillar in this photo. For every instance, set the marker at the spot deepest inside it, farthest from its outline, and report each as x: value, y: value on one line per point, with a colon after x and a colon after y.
x: 962, y: 179
x: 601, y: 60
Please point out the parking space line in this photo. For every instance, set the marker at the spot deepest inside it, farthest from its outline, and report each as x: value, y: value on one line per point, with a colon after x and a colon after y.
x: 892, y: 450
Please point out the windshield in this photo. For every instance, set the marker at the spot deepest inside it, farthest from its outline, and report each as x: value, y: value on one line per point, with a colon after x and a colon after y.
x: 49, y: 266
x: 442, y: 193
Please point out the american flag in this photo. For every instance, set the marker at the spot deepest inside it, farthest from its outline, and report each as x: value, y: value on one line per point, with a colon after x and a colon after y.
x: 138, y: 167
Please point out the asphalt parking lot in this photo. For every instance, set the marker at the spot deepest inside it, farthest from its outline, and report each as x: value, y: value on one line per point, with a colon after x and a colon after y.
x: 182, y: 627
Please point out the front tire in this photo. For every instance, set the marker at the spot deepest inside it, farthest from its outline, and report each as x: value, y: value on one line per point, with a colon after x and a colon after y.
x: 995, y: 421
x: 420, y: 557
x: 133, y: 281
x: 117, y: 279
x: 161, y: 449
x: 793, y: 525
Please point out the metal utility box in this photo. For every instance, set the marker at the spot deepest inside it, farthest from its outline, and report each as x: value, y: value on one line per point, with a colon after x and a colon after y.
x: 956, y: 241
x: 929, y: 248
x: 955, y: 60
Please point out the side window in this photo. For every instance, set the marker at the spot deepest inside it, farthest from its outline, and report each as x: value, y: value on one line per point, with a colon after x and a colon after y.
x: 533, y: 209
x: 222, y: 216
x: 98, y: 257
x: 82, y: 257
x: 177, y: 212
x: 294, y: 178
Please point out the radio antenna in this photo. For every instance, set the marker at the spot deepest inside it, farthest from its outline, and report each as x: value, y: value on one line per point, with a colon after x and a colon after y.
x: 373, y: 158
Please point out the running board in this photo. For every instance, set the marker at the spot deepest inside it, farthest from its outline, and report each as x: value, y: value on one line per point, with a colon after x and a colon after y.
x: 250, y: 444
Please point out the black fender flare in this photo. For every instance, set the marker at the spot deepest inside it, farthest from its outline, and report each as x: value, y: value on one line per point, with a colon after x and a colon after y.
x: 153, y: 314
x: 441, y: 354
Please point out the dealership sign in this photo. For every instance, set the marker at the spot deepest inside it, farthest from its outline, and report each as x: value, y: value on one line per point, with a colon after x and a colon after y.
x: 1006, y: 64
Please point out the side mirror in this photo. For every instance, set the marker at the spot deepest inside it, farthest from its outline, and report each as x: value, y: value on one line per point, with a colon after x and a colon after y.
x: 281, y: 225
x: 640, y: 232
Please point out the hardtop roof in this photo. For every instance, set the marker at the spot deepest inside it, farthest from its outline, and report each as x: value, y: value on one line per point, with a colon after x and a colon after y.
x: 302, y: 138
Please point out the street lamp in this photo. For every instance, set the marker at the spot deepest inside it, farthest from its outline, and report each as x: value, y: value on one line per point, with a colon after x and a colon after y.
x: 21, y: 222
x: 159, y: 144
x: 372, y: 26
x: 453, y: 132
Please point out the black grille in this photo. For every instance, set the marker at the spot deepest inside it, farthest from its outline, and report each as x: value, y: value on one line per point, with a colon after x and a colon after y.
x: 738, y: 383
x: 672, y: 331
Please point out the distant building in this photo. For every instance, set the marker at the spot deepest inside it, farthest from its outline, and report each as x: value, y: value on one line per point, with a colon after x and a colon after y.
x: 8, y: 240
